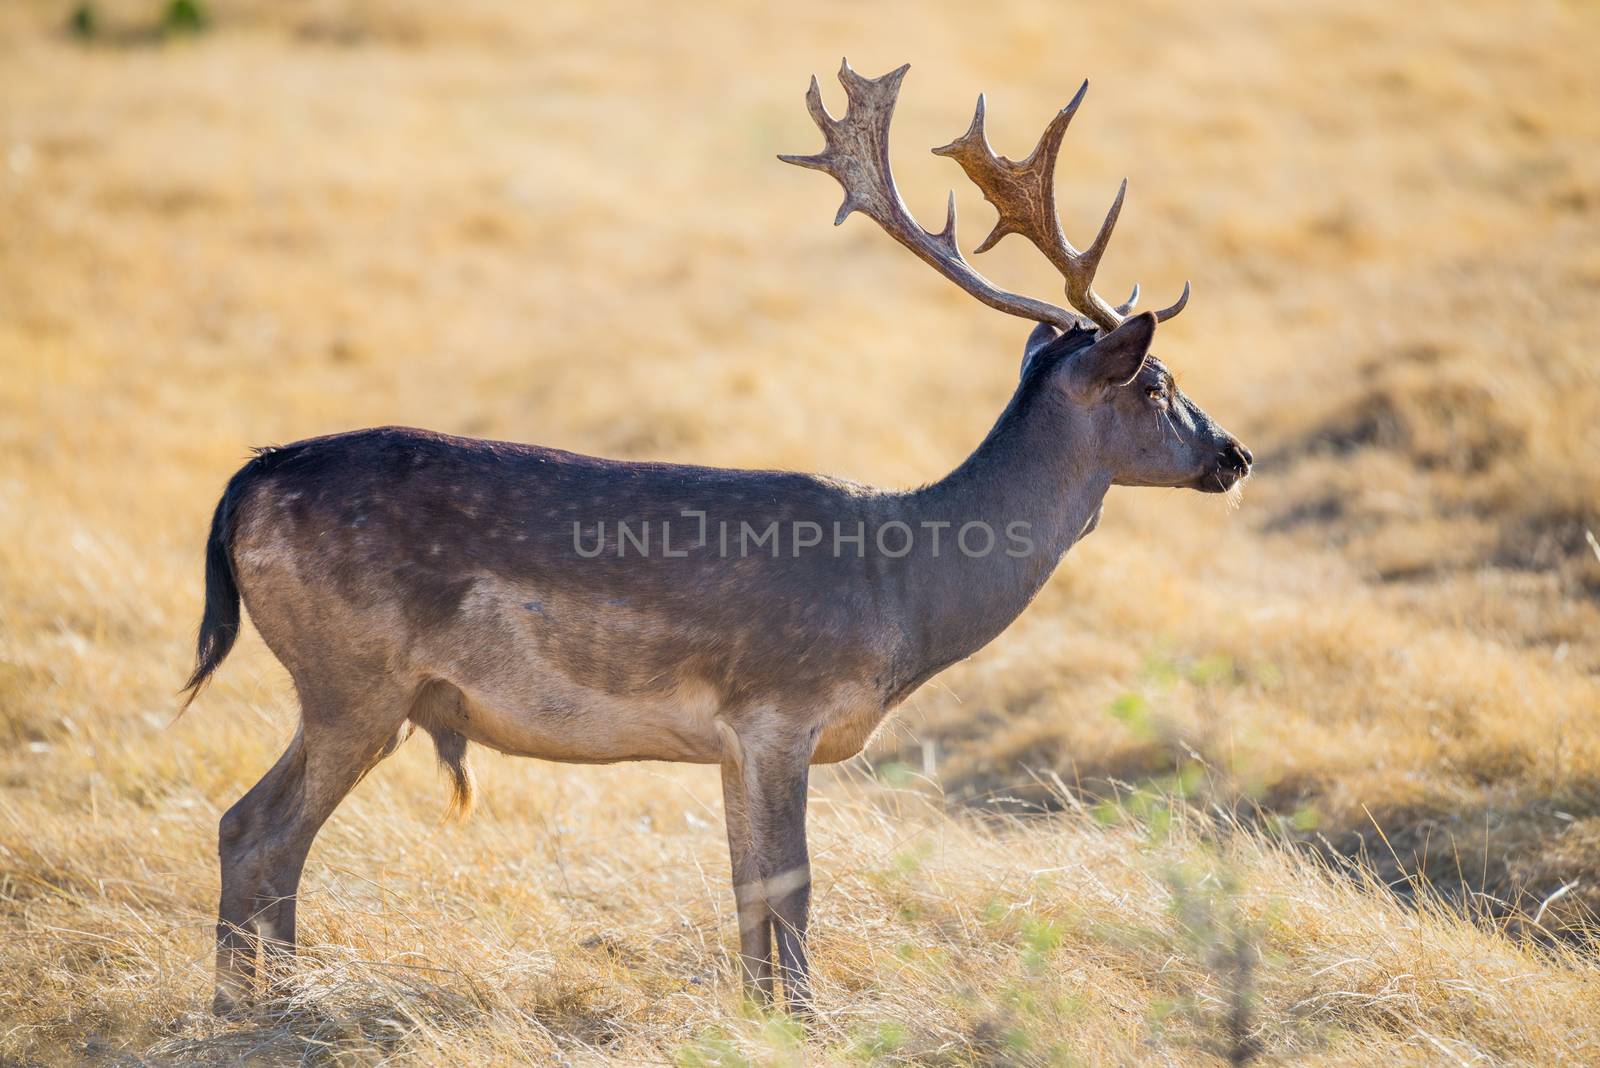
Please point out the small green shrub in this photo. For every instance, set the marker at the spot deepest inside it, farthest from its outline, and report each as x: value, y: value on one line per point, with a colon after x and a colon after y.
x: 184, y: 16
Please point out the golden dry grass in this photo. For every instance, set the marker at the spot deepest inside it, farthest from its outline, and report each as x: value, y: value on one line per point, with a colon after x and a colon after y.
x: 566, y: 225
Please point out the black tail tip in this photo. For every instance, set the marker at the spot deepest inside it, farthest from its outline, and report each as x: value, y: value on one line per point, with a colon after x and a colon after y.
x: 216, y: 639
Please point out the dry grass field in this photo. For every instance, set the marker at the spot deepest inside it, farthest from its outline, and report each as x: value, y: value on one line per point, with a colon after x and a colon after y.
x: 1315, y: 780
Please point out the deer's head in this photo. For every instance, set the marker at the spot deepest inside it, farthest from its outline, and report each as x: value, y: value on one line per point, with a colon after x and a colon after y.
x: 1126, y: 407
x: 1122, y: 401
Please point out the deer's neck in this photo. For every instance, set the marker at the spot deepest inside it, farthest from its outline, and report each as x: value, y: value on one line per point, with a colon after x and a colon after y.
x: 1034, y: 485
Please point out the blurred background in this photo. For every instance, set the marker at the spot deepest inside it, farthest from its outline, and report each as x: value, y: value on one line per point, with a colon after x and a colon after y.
x: 230, y: 223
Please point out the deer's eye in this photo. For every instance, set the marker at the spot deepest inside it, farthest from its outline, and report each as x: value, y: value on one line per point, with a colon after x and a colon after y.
x: 1157, y: 394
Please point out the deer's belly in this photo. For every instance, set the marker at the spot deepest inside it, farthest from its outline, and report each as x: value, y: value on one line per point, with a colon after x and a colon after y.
x: 574, y: 680
x: 547, y: 715
x: 559, y: 720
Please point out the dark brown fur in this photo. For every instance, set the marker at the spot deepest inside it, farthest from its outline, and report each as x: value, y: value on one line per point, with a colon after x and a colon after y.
x: 412, y: 579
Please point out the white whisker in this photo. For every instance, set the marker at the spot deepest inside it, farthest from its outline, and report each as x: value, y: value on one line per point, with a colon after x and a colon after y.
x: 1235, y: 494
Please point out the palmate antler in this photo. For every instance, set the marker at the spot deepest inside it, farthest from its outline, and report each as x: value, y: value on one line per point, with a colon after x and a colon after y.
x: 856, y: 153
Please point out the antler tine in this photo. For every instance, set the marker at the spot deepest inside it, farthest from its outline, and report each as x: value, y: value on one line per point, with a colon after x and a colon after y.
x: 1023, y: 196
x: 856, y: 154
x: 1127, y: 306
x: 1175, y: 307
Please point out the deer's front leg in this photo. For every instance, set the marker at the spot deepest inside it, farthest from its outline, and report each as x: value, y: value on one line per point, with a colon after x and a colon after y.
x: 755, y: 922
x: 764, y: 777
x: 775, y: 779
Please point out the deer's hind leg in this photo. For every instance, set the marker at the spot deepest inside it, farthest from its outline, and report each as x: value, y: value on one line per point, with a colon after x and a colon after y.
x: 264, y: 838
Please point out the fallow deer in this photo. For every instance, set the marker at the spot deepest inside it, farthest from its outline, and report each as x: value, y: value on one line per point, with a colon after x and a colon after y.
x: 553, y: 605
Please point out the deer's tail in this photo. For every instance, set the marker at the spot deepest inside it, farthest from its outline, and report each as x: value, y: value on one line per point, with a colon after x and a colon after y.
x: 219, y: 622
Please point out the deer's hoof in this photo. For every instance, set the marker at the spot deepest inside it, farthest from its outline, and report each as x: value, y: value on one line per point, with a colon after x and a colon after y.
x: 228, y: 1005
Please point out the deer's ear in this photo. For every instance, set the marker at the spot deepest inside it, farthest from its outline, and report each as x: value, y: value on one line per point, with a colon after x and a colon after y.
x: 1114, y: 360
x: 1038, y: 341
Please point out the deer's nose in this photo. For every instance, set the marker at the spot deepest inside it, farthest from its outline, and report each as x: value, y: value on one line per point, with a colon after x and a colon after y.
x: 1237, y: 456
